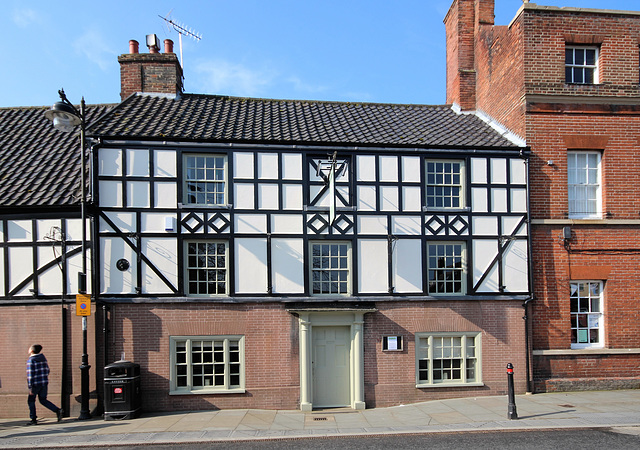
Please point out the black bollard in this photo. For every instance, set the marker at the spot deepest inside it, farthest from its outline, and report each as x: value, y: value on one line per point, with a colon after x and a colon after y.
x: 512, y: 414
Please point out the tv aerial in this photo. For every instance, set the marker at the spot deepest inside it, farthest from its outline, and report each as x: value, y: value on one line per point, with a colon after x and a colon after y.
x: 181, y: 29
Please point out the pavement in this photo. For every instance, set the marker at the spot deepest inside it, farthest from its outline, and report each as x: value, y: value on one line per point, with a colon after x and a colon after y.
x: 617, y: 410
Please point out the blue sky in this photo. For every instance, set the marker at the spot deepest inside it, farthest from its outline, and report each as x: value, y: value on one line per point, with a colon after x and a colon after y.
x: 390, y: 51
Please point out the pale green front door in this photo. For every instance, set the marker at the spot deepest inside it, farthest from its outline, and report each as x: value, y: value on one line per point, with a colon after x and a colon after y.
x: 331, y: 366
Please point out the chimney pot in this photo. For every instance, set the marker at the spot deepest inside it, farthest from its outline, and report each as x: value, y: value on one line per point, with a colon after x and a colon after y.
x: 133, y: 46
x: 168, y: 46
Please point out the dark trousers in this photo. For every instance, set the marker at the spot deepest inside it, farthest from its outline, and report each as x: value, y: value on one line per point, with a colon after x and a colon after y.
x: 39, y: 391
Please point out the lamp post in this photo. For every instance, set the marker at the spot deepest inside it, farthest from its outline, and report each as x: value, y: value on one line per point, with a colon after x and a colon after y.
x: 66, y: 117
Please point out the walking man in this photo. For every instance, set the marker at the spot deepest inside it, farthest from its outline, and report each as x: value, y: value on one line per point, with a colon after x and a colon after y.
x: 38, y: 383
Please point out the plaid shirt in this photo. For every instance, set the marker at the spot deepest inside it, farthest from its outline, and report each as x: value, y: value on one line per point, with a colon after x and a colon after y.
x: 37, y: 370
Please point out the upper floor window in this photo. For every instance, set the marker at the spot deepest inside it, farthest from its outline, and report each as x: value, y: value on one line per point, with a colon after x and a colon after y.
x: 446, y: 262
x: 206, y: 268
x: 445, y: 184
x: 583, y: 182
x: 330, y: 268
x: 204, y: 180
x: 586, y: 314
x: 581, y: 65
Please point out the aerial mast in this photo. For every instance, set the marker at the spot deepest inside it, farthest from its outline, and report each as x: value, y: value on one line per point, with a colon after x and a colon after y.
x: 182, y: 30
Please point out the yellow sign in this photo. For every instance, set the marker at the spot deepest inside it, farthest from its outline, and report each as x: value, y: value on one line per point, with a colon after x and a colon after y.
x: 83, y: 305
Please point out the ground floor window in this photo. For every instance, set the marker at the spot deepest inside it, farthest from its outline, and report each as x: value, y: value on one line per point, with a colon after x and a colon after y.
x: 207, y: 364
x: 447, y: 359
x: 586, y: 314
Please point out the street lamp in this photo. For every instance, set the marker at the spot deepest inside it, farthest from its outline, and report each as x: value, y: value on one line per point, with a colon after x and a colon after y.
x: 66, y: 117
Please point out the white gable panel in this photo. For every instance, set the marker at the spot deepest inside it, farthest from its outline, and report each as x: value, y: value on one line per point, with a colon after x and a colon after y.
x: 250, y: 223
x: 484, y: 252
x: 509, y: 224
x: 406, y: 225
x: 498, y: 200
x: 138, y: 162
x: 292, y: 196
x: 112, y: 280
x: 389, y: 198
x: 110, y: 193
x: 244, y: 196
x: 291, y: 166
x: 138, y: 194
x: 164, y: 163
x: 74, y: 265
x: 268, y: 196
x: 411, y: 169
x: 162, y: 252
x: 388, y: 168
x: 287, y: 262
x: 20, y: 267
x: 74, y: 227
x: 251, y: 265
x: 166, y: 195
x: 485, y: 226
x: 268, y: 166
x: 372, y: 266
x: 110, y: 161
x: 45, y: 230
x: 125, y: 222
x: 243, y: 165
x: 407, y: 266
x: 366, y: 167
x: 286, y: 224
x: 478, y: 170
x: 372, y: 225
x: 498, y: 171
x: 366, y: 198
x: 156, y: 222
x: 479, y: 202
x: 411, y: 200
x: 49, y: 282
x: 519, y: 200
x: 518, y: 171
x: 19, y: 231
x: 516, y: 267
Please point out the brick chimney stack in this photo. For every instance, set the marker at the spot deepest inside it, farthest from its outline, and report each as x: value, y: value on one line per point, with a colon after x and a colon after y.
x: 150, y: 72
x: 462, y: 23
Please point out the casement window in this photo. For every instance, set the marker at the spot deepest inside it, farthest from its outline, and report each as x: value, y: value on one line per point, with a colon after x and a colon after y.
x: 586, y: 314
x: 330, y: 268
x: 581, y: 65
x: 447, y: 265
x: 204, y: 179
x: 445, y: 359
x: 207, y: 364
x: 445, y: 184
x: 583, y: 182
x: 206, y: 266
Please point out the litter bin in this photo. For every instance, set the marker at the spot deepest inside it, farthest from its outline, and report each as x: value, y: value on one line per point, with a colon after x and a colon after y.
x: 122, y: 399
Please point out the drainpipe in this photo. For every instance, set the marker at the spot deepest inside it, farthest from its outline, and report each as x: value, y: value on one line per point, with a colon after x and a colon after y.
x: 525, y: 305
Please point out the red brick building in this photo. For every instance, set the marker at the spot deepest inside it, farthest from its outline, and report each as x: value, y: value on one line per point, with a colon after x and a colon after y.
x: 567, y: 81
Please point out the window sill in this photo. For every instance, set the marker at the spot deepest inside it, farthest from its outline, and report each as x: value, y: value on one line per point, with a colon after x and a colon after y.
x: 587, y: 351
x: 209, y: 392
x: 448, y: 385
x: 448, y: 210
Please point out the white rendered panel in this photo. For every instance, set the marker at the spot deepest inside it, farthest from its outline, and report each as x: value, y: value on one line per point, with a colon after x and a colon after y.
x: 509, y: 225
x: 498, y: 171
x: 406, y: 225
x: 484, y: 252
x: 250, y: 223
x: 366, y: 168
x: 518, y: 171
x: 112, y: 280
x: 74, y: 229
x: 110, y: 193
x: 519, y: 200
x: 20, y: 267
x: 366, y: 198
x: 243, y: 165
x: 19, y: 231
x: 407, y: 266
x: 244, y: 196
x: 292, y: 196
x: 251, y: 265
x: 74, y: 266
x: 45, y: 230
x: 311, y: 219
x: 166, y: 194
x: 498, y: 200
x: 137, y: 162
x: 125, y: 222
x: 50, y: 282
x: 485, y: 226
x: 291, y: 166
x: 164, y: 163
x: 268, y: 196
x: 372, y: 266
x: 411, y: 200
x: 411, y: 169
x: 287, y: 263
x: 372, y: 225
x: 110, y: 161
x: 193, y: 224
x: 515, y: 266
x: 479, y: 202
x: 388, y: 168
x: 389, y: 198
x: 287, y: 224
x: 155, y: 222
x: 268, y: 166
x: 162, y: 252
x: 138, y: 194
x: 478, y: 170
x: 344, y: 192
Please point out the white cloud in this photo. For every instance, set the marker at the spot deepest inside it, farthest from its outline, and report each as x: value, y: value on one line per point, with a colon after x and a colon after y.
x: 301, y: 86
x: 95, y: 47
x: 224, y: 77
x: 25, y: 17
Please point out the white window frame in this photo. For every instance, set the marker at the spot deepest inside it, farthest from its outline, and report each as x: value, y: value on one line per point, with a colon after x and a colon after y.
x: 463, y: 269
x: 443, y: 182
x: 188, y: 362
x: 204, y: 178
x: 348, y: 269
x: 585, y: 320
x: 583, y: 67
x: 581, y: 182
x: 427, y: 353
x: 188, y: 267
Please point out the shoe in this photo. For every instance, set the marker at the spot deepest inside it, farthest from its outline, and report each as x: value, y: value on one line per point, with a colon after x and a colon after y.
x: 33, y: 422
x: 59, y: 414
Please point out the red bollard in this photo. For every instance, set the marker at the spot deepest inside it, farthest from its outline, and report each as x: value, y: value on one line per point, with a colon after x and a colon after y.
x: 512, y: 413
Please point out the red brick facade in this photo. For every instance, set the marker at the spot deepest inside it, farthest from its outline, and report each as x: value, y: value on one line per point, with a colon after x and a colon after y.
x: 520, y: 73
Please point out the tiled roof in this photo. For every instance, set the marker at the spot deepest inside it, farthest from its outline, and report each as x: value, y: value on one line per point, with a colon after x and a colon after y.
x: 39, y: 165
x: 216, y: 118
